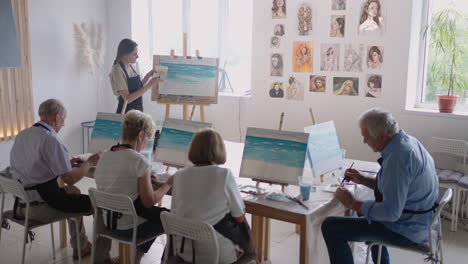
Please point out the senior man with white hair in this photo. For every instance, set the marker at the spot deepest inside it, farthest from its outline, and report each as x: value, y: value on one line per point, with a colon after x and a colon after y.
x: 406, y: 189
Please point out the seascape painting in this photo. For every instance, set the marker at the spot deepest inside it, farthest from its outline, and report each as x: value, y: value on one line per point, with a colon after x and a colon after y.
x: 175, y: 139
x: 107, y: 131
x: 274, y: 155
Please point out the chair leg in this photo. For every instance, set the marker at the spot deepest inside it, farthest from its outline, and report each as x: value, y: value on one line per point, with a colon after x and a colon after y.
x: 25, y: 237
x: 379, y: 256
x: 53, y: 241
x: 133, y: 254
x: 78, y: 243
x: 368, y: 254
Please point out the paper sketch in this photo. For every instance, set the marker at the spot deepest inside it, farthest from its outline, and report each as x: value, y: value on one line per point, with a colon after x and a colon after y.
x: 323, y: 148
x: 295, y: 90
x: 337, y: 26
x: 304, y: 19
x: 273, y: 155
x: 276, y: 90
x: 353, y: 54
x: 107, y: 131
x: 371, y: 20
x: 278, y: 9
x: 330, y: 57
x: 302, y: 56
x: 175, y: 139
x: 279, y: 30
x: 375, y: 56
x: 346, y: 86
x: 276, y: 64
x: 374, y: 85
x: 275, y: 42
x: 318, y: 83
x: 338, y: 4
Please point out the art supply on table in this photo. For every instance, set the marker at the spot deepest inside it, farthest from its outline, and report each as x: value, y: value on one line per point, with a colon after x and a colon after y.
x: 251, y: 190
x: 279, y: 197
x: 305, y: 189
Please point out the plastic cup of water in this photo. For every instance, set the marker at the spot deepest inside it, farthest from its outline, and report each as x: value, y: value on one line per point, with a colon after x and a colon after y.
x: 305, y: 189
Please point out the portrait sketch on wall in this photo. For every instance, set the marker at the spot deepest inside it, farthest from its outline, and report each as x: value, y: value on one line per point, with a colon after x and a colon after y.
x: 338, y: 4
x: 330, y: 57
x: 279, y: 30
x: 295, y: 90
x: 302, y: 58
x: 278, y: 10
x: 304, y: 18
x: 318, y: 83
x: 375, y: 57
x: 276, y: 64
x: 373, y: 85
x: 346, y: 86
x: 337, y: 26
x: 371, y: 20
x: 353, y: 54
x: 276, y: 90
x: 275, y: 42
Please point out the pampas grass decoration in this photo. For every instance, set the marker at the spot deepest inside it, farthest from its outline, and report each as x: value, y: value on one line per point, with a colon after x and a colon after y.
x: 90, y: 45
x: 99, y: 48
x: 83, y: 46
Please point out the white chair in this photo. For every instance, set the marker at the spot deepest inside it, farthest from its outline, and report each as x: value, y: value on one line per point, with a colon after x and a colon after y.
x: 195, y: 231
x: 122, y: 204
x: 17, y: 190
x: 450, y: 157
x: 434, y: 247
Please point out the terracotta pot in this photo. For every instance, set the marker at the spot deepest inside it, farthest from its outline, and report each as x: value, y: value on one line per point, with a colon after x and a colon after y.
x: 447, y: 103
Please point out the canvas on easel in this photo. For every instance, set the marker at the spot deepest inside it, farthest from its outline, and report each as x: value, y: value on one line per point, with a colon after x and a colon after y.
x: 107, y: 131
x: 175, y: 139
x: 273, y: 155
x: 323, y: 151
x: 189, y: 80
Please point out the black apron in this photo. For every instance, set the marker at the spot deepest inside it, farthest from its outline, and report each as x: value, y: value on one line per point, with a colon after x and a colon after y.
x: 134, y: 83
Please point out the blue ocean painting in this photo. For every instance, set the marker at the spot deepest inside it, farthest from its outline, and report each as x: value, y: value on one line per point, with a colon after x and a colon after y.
x: 107, y: 129
x: 283, y: 152
x: 190, y: 73
x: 175, y: 139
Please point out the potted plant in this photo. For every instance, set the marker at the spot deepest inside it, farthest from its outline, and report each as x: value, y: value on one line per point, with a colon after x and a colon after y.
x: 447, y: 45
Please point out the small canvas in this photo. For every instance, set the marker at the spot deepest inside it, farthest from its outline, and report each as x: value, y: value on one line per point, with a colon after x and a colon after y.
x: 323, y: 148
x: 175, y: 139
x: 274, y: 155
x: 107, y: 131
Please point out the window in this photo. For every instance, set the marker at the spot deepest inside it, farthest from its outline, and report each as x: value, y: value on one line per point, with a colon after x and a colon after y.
x: 217, y: 28
x: 435, y: 65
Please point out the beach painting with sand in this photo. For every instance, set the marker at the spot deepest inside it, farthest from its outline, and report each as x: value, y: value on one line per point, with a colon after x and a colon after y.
x: 107, y: 131
x: 324, y: 150
x: 175, y: 139
x: 274, y: 155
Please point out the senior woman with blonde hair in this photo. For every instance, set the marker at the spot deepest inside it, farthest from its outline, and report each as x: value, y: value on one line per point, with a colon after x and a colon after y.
x: 123, y: 170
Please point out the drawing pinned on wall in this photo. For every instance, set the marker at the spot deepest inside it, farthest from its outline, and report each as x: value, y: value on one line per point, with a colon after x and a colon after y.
x: 188, y: 80
x: 276, y: 64
x: 304, y: 19
x: 279, y: 30
x: 274, y: 155
x: 278, y: 10
x: 374, y: 85
x: 346, y: 86
x: 353, y: 54
x: 107, y: 131
x: 323, y: 149
x: 175, y: 139
x: 318, y: 83
x: 337, y: 26
x: 302, y: 56
x: 276, y: 90
x: 275, y: 42
x: 330, y: 57
x: 338, y: 4
x: 371, y: 19
x: 375, y: 57
x: 295, y: 90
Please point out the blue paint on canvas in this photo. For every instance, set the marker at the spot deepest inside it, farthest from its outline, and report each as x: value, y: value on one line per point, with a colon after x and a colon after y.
x: 324, y: 146
x: 175, y: 139
x: 107, y: 129
x: 190, y: 73
x: 284, y: 152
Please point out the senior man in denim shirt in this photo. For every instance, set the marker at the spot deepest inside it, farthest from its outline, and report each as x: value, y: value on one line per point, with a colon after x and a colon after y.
x: 406, y: 189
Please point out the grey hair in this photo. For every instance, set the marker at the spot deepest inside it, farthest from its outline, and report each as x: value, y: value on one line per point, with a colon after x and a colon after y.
x: 377, y: 122
x: 51, y: 107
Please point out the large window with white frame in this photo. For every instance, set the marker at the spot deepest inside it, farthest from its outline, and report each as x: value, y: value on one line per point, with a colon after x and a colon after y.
x: 435, y: 68
x: 217, y: 28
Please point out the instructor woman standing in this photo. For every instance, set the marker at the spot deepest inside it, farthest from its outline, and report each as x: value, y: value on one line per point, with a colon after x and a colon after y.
x: 125, y: 81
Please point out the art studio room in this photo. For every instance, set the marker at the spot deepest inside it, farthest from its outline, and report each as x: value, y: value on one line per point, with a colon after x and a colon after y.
x: 234, y: 131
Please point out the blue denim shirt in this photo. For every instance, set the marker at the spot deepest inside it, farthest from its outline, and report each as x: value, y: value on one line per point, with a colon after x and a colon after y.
x: 407, y: 180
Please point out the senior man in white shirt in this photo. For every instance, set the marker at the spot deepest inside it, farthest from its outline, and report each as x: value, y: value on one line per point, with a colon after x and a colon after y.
x: 38, y: 158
